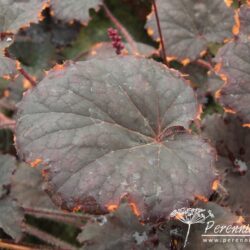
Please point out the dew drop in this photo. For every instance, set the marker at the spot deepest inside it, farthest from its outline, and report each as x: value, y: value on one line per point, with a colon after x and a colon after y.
x: 102, y: 220
x: 9, y: 39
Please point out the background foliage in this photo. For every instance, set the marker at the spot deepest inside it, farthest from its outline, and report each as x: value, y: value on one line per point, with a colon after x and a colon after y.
x: 41, y: 41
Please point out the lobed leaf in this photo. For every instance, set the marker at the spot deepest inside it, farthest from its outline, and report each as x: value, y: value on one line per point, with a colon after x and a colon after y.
x: 64, y: 34
x: 34, y: 50
x: 228, y: 136
x: 234, y: 65
x: 116, y: 129
x: 118, y: 230
x: 204, y: 82
x: 15, y: 14
x: 27, y: 188
x: 7, y: 167
x: 11, y: 217
x: 244, y: 19
x: 69, y: 10
x: 233, y: 145
x: 188, y: 26
x: 7, y: 66
x: 238, y: 198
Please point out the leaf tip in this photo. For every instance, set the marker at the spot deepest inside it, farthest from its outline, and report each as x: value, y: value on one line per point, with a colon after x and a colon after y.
x: 201, y: 197
x: 112, y: 207
x: 246, y: 125
x: 135, y: 209
x: 36, y: 162
x: 228, y: 2
x: 215, y: 185
x: 150, y: 31
x: 185, y: 61
x: 229, y: 110
x: 236, y: 27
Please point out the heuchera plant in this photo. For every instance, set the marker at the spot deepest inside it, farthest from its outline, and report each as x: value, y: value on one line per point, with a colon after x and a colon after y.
x: 110, y: 140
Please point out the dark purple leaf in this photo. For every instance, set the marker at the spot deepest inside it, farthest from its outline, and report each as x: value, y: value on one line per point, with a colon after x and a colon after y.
x: 203, y: 81
x: 69, y: 10
x: 7, y: 67
x: 244, y: 19
x: 15, y: 14
x: 234, y: 65
x: 118, y: 230
x: 233, y: 145
x: 11, y: 217
x: 109, y: 128
x: 7, y: 167
x: 189, y: 25
x: 27, y: 188
x: 228, y: 136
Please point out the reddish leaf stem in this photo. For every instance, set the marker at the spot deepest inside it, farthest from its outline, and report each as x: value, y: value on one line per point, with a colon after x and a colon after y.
x: 122, y: 29
x: 160, y: 33
x: 58, y: 218
x: 205, y: 64
x: 6, y: 122
x: 4, y: 103
x: 4, y: 244
x: 23, y: 71
x: 27, y: 76
x: 46, y: 237
x: 65, y: 217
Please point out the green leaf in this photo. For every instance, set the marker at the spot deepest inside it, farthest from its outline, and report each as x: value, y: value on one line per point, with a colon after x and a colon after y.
x: 116, y: 127
x: 34, y: 49
x: 95, y: 32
